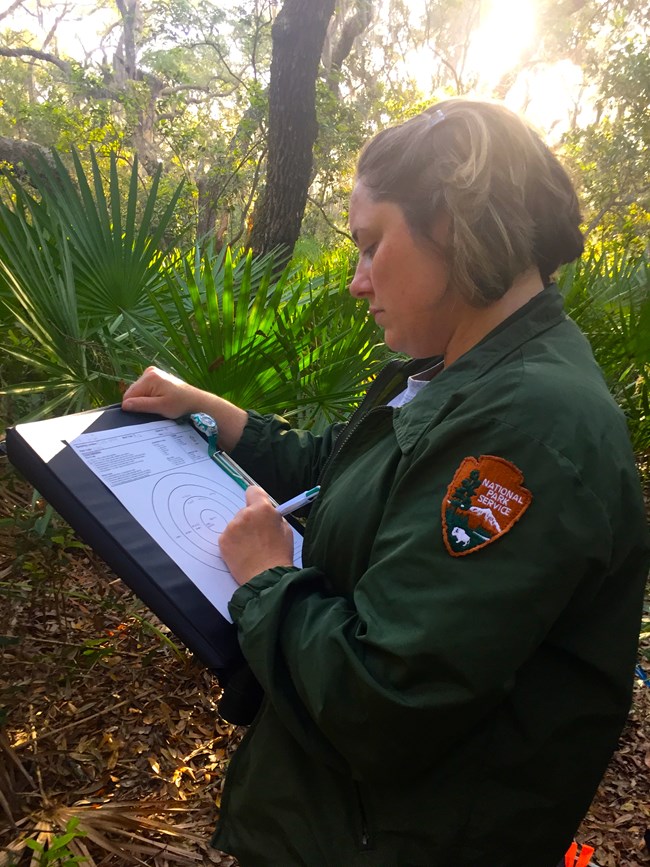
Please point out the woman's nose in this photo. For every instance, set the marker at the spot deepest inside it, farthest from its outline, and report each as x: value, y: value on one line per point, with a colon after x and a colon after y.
x: 361, y: 285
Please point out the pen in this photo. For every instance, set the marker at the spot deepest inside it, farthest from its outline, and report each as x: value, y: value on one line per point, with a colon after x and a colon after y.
x: 298, y: 502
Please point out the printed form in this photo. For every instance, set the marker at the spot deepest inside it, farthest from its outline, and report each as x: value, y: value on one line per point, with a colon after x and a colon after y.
x: 161, y: 472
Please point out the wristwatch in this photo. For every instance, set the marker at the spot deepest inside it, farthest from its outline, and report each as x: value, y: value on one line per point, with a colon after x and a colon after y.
x: 205, y: 424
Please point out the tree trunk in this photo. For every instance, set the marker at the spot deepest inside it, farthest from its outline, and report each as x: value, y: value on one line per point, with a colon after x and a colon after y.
x: 337, y: 53
x: 298, y: 36
x: 125, y: 60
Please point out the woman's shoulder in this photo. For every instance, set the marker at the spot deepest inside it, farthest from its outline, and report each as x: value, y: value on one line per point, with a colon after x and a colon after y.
x: 561, y: 380
x: 554, y: 399
x: 547, y: 397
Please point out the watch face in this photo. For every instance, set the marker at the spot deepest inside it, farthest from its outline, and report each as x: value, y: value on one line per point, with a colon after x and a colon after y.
x: 204, y: 422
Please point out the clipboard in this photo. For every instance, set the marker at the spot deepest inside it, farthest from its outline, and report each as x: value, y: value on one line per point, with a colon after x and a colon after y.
x: 40, y: 451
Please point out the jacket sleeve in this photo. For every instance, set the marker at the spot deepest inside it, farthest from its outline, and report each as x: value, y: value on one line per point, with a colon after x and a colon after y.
x: 282, y: 460
x: 428, y: 644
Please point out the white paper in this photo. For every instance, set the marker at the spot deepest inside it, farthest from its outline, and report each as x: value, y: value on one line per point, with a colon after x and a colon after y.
x: 161, y: 472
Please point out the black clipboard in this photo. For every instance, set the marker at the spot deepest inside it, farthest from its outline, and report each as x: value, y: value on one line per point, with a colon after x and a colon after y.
x: 101, y: 520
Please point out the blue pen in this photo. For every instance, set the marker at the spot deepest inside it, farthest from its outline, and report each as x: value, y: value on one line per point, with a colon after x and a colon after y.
x: 298, y: 502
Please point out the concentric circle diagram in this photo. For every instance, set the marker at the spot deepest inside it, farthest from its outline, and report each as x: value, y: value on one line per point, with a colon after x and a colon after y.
x: 193, y: 512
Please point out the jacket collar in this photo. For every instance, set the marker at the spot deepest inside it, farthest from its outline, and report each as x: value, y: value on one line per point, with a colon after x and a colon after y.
x: 541, y: 313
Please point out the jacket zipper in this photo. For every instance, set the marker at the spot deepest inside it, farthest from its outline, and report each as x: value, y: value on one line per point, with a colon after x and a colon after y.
x: 365, y: 833
x: 395, y: 373
x: 392, y: 375
x: 382, y: 383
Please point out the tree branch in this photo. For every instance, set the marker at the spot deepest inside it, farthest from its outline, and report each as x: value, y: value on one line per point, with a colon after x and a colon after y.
x: 352, y: 28
x: 249, y: 201
x: 15, y: 151
x: 57, y: 21
x: 37, y: 55
x: 212, y: 44
x: 170, y: 90
x: 457, y: 79
x: 328, y: 221
x: 613, y: 205
x: 11, y: 9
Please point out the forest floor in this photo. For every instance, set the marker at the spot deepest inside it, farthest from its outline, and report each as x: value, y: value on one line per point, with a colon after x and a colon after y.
x: 111, y: 748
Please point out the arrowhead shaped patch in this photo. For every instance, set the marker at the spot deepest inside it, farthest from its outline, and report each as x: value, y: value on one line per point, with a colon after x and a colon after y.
x: 484, y: 500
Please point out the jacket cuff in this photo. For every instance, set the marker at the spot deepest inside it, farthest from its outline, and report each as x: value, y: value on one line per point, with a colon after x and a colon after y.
x: 256, y: 587
x: 253, y: 437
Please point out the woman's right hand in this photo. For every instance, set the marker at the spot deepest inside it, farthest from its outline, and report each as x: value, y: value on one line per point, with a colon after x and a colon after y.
x: 162, y: 393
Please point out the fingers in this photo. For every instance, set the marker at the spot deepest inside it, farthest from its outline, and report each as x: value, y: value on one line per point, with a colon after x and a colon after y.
x: 256, y: 539
x: 255, y: 495
x: 258, y: 510
x: 159, y: 392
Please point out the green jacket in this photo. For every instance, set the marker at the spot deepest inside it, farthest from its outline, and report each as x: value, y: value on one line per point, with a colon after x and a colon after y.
x: 434, y: 698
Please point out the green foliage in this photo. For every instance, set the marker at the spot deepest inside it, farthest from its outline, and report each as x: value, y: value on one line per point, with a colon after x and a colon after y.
x: 87, y: 294
x: 610, y: 155
x: 195, y: 97
x: 297, y: 344
x: 608, y: 294
x: 76, y: 256
x: 38, y: 105
x: 56, y: 852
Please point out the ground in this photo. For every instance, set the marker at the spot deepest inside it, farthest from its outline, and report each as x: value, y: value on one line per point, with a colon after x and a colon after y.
x: 111, y: 731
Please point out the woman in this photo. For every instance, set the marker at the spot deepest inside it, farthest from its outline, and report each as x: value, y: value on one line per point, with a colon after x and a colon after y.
x: 447, y: 675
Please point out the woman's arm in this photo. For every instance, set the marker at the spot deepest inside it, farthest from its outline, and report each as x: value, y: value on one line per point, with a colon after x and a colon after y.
x: 282, y: 460
x: 159, y: 392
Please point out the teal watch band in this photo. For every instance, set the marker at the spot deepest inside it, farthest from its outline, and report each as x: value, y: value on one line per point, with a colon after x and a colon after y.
x: 208, y: 426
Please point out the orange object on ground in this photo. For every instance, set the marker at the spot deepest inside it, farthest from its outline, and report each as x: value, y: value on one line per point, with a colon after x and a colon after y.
x: 583, y: 858
x: 570, y: 857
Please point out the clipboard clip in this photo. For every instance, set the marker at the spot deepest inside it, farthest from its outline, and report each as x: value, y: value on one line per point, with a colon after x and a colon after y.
x: 208, y: 427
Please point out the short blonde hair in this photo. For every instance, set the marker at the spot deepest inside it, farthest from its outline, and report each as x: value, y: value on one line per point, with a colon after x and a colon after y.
x: 509, y: 202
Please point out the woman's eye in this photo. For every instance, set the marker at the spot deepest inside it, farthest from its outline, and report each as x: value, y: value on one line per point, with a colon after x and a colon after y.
x: 370, y: 251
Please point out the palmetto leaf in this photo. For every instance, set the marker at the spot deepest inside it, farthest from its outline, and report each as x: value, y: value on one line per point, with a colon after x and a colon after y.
x: 116, y: 261
x: 126, y: 830
x: 608, y: 295
x: 71, y: 266
x: 87, y: 296
x: 297, y: 343
x: 60, y: 354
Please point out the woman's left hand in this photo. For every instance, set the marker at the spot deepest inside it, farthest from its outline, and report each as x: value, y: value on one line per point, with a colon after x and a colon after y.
x: 256, y: 539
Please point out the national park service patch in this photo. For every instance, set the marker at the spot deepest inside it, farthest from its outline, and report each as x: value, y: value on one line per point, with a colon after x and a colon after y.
x: 484, y: 500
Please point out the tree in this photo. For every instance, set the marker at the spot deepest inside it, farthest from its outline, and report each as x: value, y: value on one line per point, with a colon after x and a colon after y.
x: 298, y: 36
x: 610, y: 155
x: 176, y: 83
x: 189, y: 85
